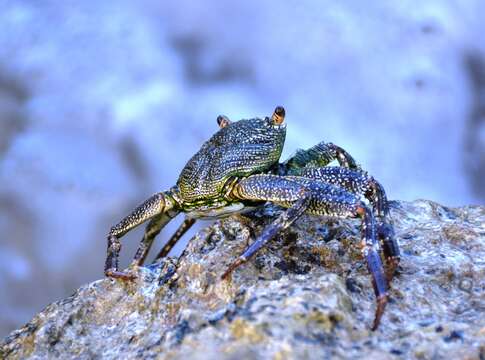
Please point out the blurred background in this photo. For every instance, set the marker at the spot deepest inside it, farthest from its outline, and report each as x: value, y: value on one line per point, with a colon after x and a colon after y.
x: 103, y: 102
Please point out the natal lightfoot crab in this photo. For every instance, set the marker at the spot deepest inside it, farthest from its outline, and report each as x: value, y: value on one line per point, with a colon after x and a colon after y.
x: 238, y: 167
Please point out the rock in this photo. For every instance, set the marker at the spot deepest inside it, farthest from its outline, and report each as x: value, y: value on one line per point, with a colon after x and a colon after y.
x: 307, y: 295
x: 91, y: 139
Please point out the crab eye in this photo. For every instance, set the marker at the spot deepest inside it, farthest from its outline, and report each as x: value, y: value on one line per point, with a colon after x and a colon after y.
x: 223, y: 121
x: 278, y: 116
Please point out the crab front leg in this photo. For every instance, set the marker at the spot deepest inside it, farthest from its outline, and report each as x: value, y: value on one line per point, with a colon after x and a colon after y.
x: 317, y: 156
x: 301, y: 195
x: 360, y: 183
x: 160, y: 208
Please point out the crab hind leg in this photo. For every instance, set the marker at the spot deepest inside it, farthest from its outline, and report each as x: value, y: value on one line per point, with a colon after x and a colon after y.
x: 160, y: 209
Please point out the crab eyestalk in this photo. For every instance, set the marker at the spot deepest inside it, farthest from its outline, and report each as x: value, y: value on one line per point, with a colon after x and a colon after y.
x: 278, y: 116
x: 223, y: 121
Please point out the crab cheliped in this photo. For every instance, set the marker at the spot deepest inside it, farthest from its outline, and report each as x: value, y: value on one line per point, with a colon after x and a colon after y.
x: 238, y: 167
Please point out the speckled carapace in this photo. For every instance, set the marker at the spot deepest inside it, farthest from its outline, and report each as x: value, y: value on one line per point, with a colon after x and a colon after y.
x: 238, y: 168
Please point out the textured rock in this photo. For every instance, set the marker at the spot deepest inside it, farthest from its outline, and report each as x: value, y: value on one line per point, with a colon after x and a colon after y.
x: 308, y: 295
x: 103, y: 102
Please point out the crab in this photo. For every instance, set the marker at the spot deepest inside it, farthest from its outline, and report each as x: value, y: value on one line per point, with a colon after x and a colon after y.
x: 238, y: 167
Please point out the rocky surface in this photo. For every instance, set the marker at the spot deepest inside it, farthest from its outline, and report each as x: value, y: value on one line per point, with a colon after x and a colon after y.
x: 308, y: 295
x: 102, y: 103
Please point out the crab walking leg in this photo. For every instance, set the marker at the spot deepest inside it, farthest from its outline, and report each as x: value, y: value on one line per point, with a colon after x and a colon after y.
x: 270, y: 188
x: 317, y: 156
x: 161, y: 204
x: 360, y: 183
x: 355, y: 181
x: 183, y: 228
x: 390, y: 247
x: 280, y: 224
x: 152, y: 230
x: 301, y: 195
x: 370, y: 250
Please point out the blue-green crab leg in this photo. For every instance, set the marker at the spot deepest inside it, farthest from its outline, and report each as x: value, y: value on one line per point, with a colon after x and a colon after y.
x: 301, y: 195
x: 160, y: 209
x: 319, y: 155
x: 360, y: 183
x: 353, y: 180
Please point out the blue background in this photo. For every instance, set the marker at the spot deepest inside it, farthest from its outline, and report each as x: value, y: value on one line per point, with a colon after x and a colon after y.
x: 102, y: 103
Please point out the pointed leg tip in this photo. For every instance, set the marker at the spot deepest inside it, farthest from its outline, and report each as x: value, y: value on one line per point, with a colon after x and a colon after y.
x: 381, y: 306
x: 121, y: 275
x: 227, y: 272
x: 225, y: 275
x: 231, y: 268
